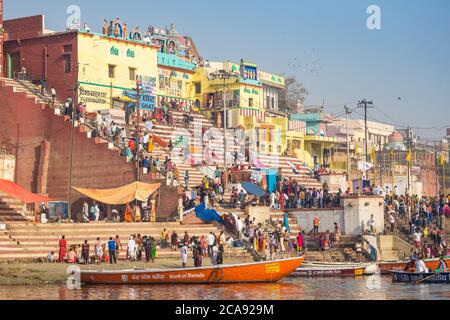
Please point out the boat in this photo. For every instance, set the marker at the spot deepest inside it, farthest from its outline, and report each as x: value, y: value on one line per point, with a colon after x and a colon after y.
x: 408, y: 277
x: 329, y: 271
x: 387, y: 266
x: 369, y: 268
x: 258, y: 272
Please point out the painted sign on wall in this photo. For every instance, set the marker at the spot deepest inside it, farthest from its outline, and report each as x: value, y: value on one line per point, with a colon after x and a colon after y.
x: 147, y: 93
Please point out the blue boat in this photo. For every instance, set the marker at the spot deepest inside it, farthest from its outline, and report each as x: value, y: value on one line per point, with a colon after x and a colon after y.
x: 409, y: 277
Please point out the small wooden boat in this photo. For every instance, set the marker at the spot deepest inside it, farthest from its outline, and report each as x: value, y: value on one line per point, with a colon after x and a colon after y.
x: 369, y: 268
x: 328, y: 271
x: 387, y: 266
x: 268, y: 271
x: 408, y: 277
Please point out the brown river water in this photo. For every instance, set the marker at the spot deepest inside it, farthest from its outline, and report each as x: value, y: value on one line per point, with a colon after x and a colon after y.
x: 367, y: 288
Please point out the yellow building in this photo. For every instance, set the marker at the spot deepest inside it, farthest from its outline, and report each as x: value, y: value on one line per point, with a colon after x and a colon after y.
x: 108, y: 68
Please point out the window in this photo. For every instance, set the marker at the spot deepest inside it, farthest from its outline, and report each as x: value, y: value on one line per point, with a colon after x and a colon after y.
x: 67, y: 48
x: 111, y: 71
x: 198, y: 88
x: 67, y: 63
x: 132, y: 73
x: 250, y: 102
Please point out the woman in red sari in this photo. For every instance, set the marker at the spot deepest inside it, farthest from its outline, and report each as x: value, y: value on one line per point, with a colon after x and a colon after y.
x: 62, y: 249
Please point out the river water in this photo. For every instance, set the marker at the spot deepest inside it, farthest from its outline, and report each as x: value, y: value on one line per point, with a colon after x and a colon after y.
x: 364, y: 288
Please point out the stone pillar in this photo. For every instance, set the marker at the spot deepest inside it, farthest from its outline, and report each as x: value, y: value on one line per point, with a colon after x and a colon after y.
x: 358, y: 211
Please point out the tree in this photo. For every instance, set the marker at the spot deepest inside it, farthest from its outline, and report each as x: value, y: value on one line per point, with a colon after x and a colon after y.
x: 293, y: 95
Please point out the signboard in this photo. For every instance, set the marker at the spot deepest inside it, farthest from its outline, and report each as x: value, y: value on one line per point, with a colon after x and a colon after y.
x: 147, y: 93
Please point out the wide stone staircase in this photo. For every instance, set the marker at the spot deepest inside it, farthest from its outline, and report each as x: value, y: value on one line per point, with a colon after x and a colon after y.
x: 12, y: 209
x: 28, y: 241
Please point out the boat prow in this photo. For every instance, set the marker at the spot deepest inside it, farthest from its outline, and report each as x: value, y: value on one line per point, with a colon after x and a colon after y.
x: 258, y: 272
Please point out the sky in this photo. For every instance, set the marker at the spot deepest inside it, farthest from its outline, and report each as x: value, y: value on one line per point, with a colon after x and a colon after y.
x: 404, y: 67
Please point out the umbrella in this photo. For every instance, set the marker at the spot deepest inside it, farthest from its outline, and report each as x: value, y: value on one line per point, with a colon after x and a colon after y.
x: 253, y: 189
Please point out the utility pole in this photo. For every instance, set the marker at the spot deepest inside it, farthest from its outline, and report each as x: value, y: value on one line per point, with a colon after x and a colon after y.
x: 72, y: 138
x: 347, y: 114
x: 409, y: 160
x: 224, y: 75
x: 365, y: 104
x: 225, y: 124
x: 436, y: 169
x: 138, y: 138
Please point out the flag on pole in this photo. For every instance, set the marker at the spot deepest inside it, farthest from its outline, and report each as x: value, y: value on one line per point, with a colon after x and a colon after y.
x: 356, y: 150
x: 442, y: 160
x: 409, y: 156
x: 392, y: 154
x: 373, y: 155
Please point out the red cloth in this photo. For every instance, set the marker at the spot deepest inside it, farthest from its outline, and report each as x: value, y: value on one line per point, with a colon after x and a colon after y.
x: 281, y: 200
x: 20, y: 193
x: 62, y: 250
x: 160, y: 141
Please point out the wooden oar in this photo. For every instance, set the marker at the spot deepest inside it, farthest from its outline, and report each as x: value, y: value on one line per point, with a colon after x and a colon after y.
x: 427, y: 278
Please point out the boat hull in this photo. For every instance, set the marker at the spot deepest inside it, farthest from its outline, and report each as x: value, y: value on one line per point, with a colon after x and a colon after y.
x: 387, y: 267
x: 272, y: 271
x: 407, y: 277
x: 369, y: 268
x: 328, y: 272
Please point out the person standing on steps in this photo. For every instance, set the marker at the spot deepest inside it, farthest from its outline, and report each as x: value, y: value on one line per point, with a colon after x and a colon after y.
x: 85, y: 252
x: 62, y: 249
x: 184, y: 253
x: 112, y: 251
x: 316, y: 225
x: 53, y: 93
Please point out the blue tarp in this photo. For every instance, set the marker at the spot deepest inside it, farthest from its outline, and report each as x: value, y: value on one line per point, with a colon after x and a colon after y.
x: 253, y: 189
x: 207, y: 215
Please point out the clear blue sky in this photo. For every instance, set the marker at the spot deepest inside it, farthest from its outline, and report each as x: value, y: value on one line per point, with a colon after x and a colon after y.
x: 325, y: 43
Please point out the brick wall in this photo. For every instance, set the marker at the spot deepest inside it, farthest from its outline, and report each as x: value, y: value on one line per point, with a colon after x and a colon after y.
x: 42, y: 142
x: 23, y: 28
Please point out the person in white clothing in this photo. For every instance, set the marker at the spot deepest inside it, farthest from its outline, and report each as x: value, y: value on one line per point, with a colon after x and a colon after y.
x: 132, y: 249
x: 184, y: 254
x: 272, y: 200
x: 210, y: 239
x: 240, y: 226
x: 97, y: 212
x: 44, y: 218
x: 420, y: 265
x: 392, y: 221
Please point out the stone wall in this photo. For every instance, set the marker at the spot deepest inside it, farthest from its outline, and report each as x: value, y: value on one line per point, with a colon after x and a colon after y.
x: 327, y: 217
x: 358, y: 211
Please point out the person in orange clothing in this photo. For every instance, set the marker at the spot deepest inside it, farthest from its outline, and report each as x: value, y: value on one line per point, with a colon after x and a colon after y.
x: 128, y: 214
x: 62, y: 249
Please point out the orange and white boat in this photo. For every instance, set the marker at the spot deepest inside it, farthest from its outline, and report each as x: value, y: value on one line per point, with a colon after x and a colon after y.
x: 258, y: 272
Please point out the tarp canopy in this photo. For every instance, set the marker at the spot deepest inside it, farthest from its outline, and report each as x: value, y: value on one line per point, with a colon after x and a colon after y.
x: 119, y: 196
x: 207, y: 215
x: 20, y: 193
x: 253, y: 189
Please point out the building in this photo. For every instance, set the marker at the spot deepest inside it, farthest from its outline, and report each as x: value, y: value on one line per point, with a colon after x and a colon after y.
x: 378, y: 137
x: 102, y: 67
x: 318, y: 144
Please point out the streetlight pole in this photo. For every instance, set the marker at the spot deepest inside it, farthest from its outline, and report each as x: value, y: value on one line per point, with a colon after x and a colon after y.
x: 72, y: 138
x: 225, y: 124
x: 224, y: 75
x: 347, y: 113
x: 365, y: 104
